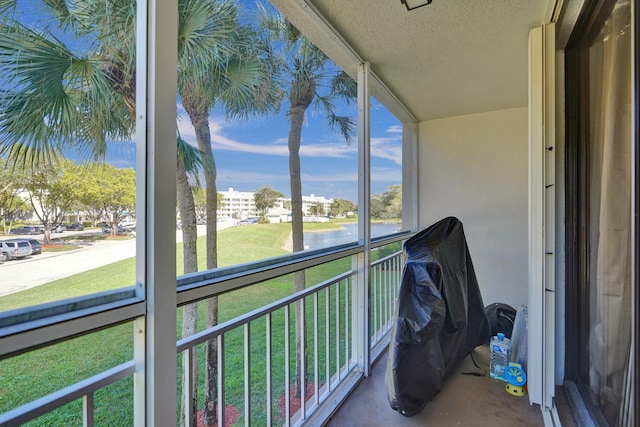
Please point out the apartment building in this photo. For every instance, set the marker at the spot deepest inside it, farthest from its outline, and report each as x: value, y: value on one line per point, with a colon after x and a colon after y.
x: 237, y: 204
x: 241, y: 204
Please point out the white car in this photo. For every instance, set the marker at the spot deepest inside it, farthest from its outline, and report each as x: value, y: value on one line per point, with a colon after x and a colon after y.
x: 14, y: 249
x: 127, y: 224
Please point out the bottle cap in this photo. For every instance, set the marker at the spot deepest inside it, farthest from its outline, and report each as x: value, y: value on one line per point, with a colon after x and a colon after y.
x: 500, y: 336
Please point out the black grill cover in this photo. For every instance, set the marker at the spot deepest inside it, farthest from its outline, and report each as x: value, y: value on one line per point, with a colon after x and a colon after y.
x: 439, y: 316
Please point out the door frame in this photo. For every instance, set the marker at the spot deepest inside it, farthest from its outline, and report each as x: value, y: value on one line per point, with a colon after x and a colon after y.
x: 635, y: 28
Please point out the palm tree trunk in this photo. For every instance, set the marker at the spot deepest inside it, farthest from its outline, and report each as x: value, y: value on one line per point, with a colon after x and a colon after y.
x: 295, y: 134
x: 204, y: 143
x: 186, y: 206
x: 198, y: 112
x: 211, y: 378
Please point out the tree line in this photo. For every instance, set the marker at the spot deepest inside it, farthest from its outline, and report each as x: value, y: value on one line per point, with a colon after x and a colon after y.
x: 51, y: 191
x: 266, y: 198
x: 386, y: 205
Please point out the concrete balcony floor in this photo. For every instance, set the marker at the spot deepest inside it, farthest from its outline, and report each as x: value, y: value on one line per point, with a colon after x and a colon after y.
x: 465, y: 400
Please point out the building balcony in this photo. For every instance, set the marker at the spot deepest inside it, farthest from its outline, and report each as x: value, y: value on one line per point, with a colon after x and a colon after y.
x: 256, y: 365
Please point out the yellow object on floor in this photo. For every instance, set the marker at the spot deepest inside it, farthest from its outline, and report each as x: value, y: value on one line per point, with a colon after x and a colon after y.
x: 515, y: 390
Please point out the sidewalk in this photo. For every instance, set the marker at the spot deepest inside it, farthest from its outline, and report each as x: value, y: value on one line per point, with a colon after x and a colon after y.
x: 37, y: 270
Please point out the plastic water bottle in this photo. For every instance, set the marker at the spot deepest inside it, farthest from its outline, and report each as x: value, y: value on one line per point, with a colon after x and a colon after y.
x: 500, y: 356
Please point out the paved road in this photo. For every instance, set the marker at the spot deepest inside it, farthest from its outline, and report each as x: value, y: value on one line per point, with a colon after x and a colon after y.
x: 37, y: 270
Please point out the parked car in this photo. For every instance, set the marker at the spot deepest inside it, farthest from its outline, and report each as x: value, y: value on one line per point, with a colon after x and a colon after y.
x: 249, y: 221
x: 25, y: 229
x: 16, y: 249
x: 75, y: 226
x: 36, y: 248
x: 58, y: 228
x: 121, y: 230
x: 127, y: 224
x: 4, y: 256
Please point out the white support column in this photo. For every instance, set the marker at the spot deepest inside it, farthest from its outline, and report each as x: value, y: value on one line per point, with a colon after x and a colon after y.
x: 361, y: 334
x: 549, y: 214
x: 541, y: 346
x: 410, y: 187
x: 155, y: 334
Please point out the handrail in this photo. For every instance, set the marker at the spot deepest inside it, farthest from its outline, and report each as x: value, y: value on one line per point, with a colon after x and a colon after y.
x: 40, y: 311
x: 382, y: 293
x: 201, y: 285
x: 224, y: 327
x: 188, y: 282
x: 48, y: 403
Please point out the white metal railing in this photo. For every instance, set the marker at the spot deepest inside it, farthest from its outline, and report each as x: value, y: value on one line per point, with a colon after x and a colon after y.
x: 327, y: 345
x: 332, y: 362
x: 386, y: 274
x: 265, y: 337
x: 84, y: 390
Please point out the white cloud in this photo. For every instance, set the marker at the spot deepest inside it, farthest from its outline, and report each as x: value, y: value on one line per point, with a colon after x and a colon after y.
x: 387, y: 148
x: 345, y: 178
x: 394, y: 129
x: 249, y: 179
x: 382, y: 147
x: 330, y: 185
x: 278, y: 147
x: 386, y: 175
x: 122, y: 163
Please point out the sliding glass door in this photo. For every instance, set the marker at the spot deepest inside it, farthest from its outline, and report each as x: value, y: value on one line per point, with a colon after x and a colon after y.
x: 600, y: 167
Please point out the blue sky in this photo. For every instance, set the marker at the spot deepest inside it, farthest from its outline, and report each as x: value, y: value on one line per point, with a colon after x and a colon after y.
x: 253, y: 153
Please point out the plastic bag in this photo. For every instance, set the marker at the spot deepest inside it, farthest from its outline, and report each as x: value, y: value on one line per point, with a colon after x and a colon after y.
x: 439, y: 316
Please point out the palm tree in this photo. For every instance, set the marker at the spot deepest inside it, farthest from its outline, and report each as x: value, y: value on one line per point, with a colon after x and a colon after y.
x: 57, y: 99
x: 238, y: 75
x: 308, y: 78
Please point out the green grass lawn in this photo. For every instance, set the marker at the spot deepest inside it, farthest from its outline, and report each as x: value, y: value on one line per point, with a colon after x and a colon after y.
x: 235, y: 246
x: 29, y: 376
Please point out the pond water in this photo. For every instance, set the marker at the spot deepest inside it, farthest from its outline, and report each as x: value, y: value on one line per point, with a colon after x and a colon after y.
x: 348, y: 234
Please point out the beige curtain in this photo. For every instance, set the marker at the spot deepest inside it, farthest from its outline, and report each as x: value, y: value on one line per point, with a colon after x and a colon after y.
x: 610, y: 180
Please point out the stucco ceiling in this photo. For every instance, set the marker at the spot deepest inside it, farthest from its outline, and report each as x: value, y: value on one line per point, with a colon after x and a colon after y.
x: 450, y: 58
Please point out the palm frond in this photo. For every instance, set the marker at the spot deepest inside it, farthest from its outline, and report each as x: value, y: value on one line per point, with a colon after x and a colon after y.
x: 192, y: 158
x: 55, y: 98
x: 343, y: 125
x: 249, y: 89
x: 28, y: 156
x: 270, y: 21
x: 6, y: 5
x: 111, y: 23
x: 343, y: 86
x: 61, y: 11
x: 205, y: 34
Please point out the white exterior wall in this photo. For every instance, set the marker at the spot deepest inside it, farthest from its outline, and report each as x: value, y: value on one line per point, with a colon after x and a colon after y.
x: 241, y: 204
x: 474, y: 167
x: 308, y: 202
x: 237, y: 204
